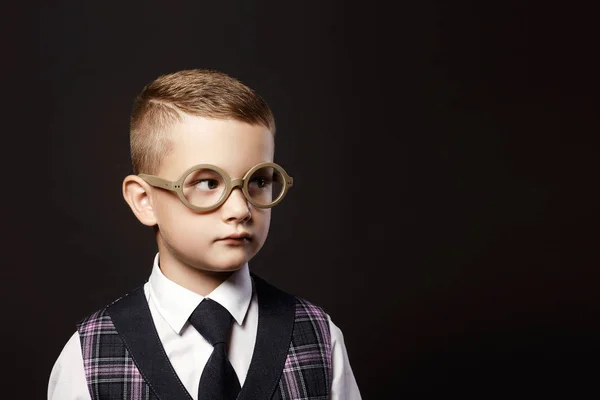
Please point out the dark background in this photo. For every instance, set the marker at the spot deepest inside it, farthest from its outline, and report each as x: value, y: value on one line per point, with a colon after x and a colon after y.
x: 444, y: 204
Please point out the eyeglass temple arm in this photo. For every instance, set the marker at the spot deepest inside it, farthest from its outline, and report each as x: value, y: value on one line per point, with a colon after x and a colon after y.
x: 158, y: 182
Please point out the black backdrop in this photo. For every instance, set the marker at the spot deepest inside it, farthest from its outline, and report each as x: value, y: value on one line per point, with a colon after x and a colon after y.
x: 444, y: 164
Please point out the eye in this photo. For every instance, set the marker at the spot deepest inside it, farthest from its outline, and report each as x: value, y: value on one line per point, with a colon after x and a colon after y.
x: 260, y: 181
x: 207, y: 184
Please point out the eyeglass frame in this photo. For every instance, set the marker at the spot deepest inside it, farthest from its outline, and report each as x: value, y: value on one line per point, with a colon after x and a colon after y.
x: 230, y: 184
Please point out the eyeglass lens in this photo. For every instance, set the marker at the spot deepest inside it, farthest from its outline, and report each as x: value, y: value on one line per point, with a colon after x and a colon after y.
x: 205, y: 187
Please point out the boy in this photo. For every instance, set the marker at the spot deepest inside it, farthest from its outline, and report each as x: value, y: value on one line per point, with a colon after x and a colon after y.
x: 203, y: 326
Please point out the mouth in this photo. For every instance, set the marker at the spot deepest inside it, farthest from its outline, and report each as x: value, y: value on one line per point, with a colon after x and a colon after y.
x: 237, y: 238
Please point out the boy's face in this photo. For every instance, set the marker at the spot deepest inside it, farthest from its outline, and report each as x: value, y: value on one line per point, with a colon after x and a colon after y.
x: 197, y: 240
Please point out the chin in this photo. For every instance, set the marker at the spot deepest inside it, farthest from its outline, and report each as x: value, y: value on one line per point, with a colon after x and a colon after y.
x: 232, y: 261
x: 232, y: 268
x: 227, y: 267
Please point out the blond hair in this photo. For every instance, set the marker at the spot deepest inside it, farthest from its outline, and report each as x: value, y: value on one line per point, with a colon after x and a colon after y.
x: 199, y: 92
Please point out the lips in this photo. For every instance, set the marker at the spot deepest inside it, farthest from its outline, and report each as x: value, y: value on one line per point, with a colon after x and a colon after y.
x: 238, y: 236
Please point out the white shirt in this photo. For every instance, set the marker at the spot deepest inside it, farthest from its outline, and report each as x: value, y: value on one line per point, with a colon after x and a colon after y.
x: 171, y: 305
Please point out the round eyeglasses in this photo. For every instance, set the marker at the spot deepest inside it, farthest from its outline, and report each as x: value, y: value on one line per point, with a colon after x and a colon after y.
x: 205, y: 187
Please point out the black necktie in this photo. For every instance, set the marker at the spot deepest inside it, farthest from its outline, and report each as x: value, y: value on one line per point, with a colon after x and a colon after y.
x: 219, y: 380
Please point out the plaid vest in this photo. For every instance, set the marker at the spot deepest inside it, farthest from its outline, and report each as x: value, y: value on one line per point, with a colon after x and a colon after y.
x: 124, y: 359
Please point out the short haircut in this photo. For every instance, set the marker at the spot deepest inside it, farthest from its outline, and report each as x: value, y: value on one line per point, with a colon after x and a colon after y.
x: 199, y: 92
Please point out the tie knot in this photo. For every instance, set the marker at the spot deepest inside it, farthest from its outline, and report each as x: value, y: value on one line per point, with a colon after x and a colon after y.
x: 212, y: 320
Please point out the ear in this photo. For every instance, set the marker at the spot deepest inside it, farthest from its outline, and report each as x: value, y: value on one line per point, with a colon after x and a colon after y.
x: 136, y: 193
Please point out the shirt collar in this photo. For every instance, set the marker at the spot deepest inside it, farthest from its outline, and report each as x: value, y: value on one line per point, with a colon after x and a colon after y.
x: 176, y: 303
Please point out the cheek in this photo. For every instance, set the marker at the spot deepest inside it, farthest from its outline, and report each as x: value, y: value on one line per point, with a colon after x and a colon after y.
x: 166, y: 206
x: 176, y: 220
x: 195, y: 225
x: 262, y: 221
x: 188, y: 236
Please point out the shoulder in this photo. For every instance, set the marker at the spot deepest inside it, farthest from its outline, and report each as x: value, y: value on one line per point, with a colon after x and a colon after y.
x: 307, y: 308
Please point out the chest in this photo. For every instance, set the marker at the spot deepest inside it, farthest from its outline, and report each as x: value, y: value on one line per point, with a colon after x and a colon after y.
x: 291, y: 356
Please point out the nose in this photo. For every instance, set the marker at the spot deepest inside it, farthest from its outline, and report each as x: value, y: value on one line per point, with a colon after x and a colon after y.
x: 236, y: 207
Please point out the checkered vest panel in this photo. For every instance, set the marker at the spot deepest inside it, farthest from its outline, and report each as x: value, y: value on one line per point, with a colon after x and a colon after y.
x: 109, y: 369
x: 112, y: 374
x: 307, y: 370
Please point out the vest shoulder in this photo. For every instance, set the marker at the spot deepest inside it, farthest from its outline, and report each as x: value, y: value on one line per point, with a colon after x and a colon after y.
x: 101, y: 315
x: 308, y: 311
x: 301, y: 303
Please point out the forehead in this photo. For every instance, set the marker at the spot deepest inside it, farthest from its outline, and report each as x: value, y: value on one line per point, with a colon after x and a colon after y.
x: 229, y: 144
